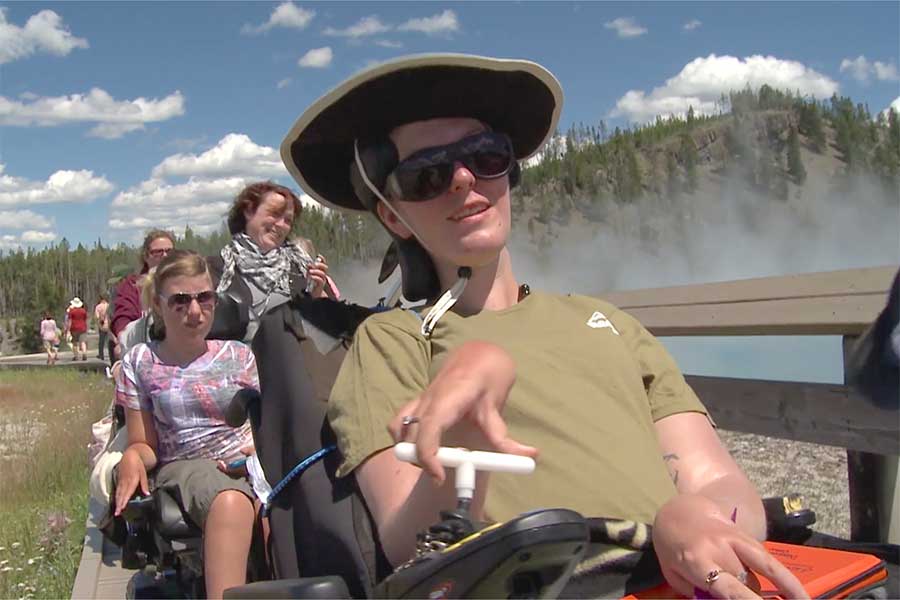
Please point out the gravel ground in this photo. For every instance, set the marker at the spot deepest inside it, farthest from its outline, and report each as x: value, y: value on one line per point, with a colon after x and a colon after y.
x: 818, y: 473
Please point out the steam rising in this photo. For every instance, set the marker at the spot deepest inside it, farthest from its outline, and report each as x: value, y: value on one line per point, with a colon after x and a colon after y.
x: 727, y: 234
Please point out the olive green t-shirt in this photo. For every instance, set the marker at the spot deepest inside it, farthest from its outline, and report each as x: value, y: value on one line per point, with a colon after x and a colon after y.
x: 590, y: 383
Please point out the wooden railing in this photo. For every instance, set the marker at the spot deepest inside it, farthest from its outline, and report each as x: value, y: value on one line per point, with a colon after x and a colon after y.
x: 837, y: 303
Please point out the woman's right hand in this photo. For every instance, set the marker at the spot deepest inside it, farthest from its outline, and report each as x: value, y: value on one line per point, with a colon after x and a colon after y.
x: 470, y: 389
x: 132, y: 474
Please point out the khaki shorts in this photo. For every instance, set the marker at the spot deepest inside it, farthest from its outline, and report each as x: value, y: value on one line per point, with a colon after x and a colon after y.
x: 195, y: 483
x: 76, y: 336
x: 49, y: 345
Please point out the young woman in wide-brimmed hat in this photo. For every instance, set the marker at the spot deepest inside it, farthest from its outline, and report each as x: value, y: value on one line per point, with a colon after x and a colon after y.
x: 430, y: 144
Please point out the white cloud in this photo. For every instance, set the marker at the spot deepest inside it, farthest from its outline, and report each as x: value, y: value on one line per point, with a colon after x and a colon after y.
x: 283, y: 83
x: 389, y: 44
x: 15, y: 242
x: 60, y: 187
x: 366, y: 26
x: 703, y: 80
x: 286, y: 14
x: 43, y: 32
x: 23, y: 219
x: 200, y: 203
x: 114, y: 118
x: 317, y: 58
x: 862, y: 70
x: 626, y: 27
x: 206, y: 186
x: 692, y: 24
x: 234, y: 155
x: 441, y: 23
x: 38, y: 237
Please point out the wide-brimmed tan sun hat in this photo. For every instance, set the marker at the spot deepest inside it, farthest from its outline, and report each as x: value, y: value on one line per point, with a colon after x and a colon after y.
x: 76, y: 303
x: 516, y: 97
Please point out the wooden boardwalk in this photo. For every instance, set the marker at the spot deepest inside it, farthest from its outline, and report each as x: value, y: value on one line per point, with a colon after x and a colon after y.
x: 100, y: 573
x: 39, y: 361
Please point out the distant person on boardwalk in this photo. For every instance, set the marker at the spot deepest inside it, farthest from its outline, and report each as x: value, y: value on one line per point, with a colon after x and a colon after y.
x: 76, y: 326
x: 262, y: 267
x: 126, y: 306
x: 176, y: 391
x: 101, y: 316
x: 50, y: 338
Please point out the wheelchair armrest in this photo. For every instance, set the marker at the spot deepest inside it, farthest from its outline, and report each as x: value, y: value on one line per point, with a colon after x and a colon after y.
x: 786, y: 517
x: 305, y: 587
x: 139, y: 507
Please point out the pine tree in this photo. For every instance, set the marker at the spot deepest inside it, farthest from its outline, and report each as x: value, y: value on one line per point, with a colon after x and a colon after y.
x: 794, y: 161
x: 811, y: 124
x: 673, y: 183
x: 689, y: 156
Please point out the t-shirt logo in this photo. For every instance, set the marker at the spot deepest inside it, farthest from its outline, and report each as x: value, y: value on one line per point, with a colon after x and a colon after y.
x: 599, y: 321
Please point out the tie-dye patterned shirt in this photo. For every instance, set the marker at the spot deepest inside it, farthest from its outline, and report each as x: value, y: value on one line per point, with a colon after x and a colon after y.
x: 188, y: 403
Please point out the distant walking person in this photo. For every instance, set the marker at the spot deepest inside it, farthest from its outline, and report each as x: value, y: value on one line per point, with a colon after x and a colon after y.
x: 50, y: 338
x: 77, y: 325
x: 102, y: 318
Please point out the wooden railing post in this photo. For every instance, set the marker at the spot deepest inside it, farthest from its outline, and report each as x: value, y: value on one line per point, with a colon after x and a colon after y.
x: 874, y: 488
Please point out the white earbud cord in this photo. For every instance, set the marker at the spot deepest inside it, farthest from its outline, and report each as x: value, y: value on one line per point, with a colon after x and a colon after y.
x: 448, y: 298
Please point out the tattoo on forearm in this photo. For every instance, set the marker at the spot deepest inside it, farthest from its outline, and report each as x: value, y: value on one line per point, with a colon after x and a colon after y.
x: 670, y: 460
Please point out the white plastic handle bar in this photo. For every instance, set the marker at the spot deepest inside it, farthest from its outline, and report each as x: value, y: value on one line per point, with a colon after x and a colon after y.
x: 467, y: 462
x: 482, y: 461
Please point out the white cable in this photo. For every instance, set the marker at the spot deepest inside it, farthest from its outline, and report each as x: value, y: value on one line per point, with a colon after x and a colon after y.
x: 444, y: 303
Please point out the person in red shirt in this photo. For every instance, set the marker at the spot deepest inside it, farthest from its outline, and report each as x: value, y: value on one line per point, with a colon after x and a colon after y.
x: 77, y: 327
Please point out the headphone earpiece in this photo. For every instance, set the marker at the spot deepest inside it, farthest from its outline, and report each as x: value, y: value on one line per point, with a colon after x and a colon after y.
x: 515, y: 175
x: 378, y: 159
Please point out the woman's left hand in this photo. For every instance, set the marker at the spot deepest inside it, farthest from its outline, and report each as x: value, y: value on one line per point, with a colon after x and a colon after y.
x: 237, y: 469
x: 701, y: 550
x: 318, y: 275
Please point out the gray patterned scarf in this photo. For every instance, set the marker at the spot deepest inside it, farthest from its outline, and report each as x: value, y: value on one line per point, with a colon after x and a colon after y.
x: 270, y: 272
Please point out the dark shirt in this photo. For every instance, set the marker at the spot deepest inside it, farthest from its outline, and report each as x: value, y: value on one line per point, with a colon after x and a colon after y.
x: 127, y: 304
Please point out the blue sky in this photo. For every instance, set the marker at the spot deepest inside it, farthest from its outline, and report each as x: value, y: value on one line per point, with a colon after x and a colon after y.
x: 120, y: 116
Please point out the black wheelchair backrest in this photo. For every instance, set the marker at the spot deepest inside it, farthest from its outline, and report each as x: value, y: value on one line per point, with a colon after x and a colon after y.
x: 320, y: 525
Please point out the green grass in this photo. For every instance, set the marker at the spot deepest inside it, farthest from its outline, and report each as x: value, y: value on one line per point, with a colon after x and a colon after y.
x: 45, y: 418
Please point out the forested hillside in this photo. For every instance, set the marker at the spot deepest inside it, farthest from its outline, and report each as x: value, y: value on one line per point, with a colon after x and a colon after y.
x: 768, y: 144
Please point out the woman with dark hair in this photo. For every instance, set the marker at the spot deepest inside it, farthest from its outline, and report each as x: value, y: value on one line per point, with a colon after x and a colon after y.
x: 126, y: 307
x: 262, y: 268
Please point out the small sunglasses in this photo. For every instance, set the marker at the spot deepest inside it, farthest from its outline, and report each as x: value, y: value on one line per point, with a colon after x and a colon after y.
x: 181, y: 301
x: 157, y: 252
x: 428, y: 173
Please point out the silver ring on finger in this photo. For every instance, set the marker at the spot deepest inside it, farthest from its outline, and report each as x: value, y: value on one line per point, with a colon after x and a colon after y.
x: 409, y: 420
x: 712, y: 577
x: 742, y: 577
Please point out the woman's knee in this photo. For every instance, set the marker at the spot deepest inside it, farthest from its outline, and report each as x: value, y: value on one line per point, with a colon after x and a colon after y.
x: 233, y: 505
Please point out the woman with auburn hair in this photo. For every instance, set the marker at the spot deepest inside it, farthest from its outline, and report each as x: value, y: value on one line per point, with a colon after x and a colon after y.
x: 126, y: 306
x: 176, y: 391
x: 262, y: 267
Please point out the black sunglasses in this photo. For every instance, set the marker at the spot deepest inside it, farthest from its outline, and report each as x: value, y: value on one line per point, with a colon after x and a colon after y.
x: 428, y: 173
x: 181, y: 301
